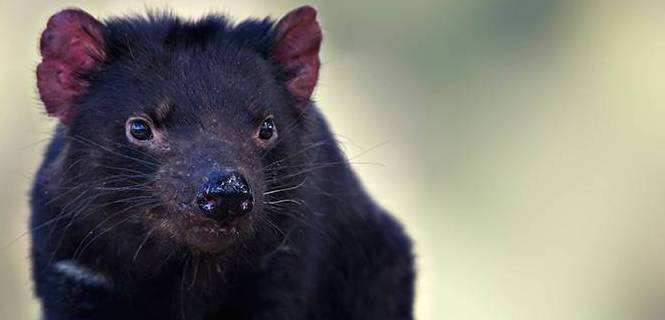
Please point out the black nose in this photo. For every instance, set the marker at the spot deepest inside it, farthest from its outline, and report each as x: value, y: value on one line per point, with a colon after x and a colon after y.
x: 225, y: 193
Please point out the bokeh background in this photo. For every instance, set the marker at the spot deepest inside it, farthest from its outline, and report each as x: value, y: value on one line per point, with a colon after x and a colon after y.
x: 521, y: 143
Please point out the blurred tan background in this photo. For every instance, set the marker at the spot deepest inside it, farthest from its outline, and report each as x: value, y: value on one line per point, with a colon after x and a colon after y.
x: 521, y: 143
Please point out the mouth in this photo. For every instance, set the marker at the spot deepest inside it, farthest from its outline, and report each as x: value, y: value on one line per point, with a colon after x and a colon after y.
x: 201, y: 233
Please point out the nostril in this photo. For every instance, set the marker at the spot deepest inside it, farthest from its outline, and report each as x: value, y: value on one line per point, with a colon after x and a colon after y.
x: 247, y: 205
x: 225, y: 193
x: 207, y: 204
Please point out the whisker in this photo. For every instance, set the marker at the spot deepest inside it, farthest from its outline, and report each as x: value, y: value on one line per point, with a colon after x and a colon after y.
x: 283, y: 201
x: 94, y: 144
x: 286, y: 189
x: 138, y: 250
x: 79, y: 250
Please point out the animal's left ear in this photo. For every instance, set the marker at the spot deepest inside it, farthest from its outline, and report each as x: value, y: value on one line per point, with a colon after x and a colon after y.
x: 296, y: 48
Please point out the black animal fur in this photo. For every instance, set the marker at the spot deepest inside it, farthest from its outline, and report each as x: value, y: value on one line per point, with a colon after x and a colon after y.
x: 317, y: 248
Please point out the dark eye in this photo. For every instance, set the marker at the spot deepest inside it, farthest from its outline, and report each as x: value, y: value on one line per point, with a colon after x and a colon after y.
x: 139, y: 129
x: 267, y: 129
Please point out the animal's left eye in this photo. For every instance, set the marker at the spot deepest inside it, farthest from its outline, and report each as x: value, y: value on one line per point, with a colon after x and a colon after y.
x: 267, y: 130
x: 139, y: 129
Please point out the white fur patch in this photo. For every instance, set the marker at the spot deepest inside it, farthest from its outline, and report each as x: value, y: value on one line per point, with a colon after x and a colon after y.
x: 79, y: 273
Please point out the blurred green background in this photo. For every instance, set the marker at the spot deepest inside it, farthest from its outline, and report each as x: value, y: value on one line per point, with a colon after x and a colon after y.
x: 520, y: 142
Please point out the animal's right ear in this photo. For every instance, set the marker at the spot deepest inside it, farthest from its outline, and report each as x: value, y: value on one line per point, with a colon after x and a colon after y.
x: 72, y: 49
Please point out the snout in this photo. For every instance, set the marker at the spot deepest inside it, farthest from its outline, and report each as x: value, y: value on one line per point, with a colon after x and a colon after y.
x: 224, y: 194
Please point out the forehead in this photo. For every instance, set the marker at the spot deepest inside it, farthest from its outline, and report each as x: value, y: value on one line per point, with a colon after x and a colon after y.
x: 189, y: 66
x: 203, y: 86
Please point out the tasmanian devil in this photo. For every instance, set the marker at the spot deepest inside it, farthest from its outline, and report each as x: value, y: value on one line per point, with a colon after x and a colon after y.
x: 191, y: 177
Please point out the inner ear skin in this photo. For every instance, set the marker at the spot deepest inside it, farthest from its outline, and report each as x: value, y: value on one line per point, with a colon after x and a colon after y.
x: 72, y: 49
x: 297, y: 44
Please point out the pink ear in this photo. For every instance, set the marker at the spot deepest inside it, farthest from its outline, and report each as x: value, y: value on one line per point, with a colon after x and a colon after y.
x: 296, y: 48
x: 72, y: 47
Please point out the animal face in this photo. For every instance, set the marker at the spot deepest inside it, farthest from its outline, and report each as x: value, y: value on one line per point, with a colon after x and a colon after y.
x: 182, y: 130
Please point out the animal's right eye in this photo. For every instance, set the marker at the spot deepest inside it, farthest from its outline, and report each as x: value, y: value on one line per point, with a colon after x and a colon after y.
x: 267, y: 129
x: 139, y: 129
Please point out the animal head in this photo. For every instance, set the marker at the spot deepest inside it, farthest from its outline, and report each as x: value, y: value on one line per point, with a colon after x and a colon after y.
x: 181, y: 129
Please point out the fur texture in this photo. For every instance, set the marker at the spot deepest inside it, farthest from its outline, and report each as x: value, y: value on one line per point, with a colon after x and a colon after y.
x: 110, y: 231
